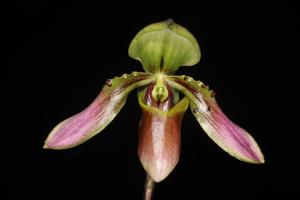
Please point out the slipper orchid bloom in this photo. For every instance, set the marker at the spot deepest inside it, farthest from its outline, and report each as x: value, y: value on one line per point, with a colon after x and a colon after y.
x: 161, y: 48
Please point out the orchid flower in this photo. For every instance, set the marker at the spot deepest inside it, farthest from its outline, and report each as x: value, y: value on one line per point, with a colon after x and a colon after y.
x: 161, y: 48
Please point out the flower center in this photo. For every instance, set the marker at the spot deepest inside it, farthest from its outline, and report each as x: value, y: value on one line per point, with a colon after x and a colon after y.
x: 159, y: 94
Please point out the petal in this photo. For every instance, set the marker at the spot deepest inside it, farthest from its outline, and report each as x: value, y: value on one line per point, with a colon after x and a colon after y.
x: 159, y: 138
x: 230, y: 137
x: 84, y: 125
x: 164, y: 46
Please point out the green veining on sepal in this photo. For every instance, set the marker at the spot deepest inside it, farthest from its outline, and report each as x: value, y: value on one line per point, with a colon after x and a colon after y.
x: 164, y: 47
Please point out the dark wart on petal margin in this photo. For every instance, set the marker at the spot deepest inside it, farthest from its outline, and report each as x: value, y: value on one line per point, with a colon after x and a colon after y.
x: 108, y: 82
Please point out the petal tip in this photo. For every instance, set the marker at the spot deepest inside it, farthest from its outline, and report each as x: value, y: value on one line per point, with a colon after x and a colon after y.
x: 257, y: 160
x: 45, y: 146
x: 260, y: 161
x: 49, y: 144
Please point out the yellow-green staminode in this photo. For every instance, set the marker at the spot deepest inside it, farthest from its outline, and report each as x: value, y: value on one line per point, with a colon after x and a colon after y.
x: 160, y: 92
x: 164, y: 47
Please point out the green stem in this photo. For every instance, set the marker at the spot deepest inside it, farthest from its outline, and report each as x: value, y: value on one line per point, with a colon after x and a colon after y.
x: 149, y: 187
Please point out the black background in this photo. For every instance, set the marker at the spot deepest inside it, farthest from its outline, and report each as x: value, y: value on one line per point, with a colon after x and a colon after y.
x: 61, y: 53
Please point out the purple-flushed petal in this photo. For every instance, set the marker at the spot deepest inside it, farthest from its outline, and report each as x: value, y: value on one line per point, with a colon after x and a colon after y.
x: 84, y: 125
x: 229, y: 136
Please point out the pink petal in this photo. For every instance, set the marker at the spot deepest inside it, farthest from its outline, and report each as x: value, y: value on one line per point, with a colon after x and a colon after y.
x: 229, y: 136
x: 84, y: 125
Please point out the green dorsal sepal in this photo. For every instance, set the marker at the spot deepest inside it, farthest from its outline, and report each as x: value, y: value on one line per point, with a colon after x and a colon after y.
x: 164, y: 47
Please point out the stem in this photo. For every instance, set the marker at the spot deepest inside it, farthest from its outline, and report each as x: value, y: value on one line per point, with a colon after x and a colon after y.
x: 149, y: 187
